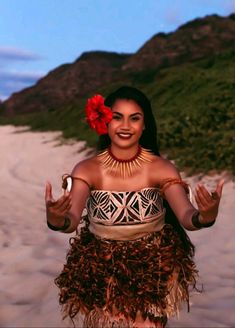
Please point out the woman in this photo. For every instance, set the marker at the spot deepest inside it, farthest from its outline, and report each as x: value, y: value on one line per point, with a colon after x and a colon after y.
x: 132, y: 264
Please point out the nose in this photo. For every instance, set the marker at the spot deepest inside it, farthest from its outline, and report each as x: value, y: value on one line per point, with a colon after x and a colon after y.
x: 125, y: 126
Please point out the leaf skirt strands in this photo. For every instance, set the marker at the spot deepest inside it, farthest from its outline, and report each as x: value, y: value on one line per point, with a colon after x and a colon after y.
x: 111, y: 281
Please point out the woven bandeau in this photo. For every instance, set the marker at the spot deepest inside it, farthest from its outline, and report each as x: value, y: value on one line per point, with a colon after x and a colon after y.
x: 128, y: 231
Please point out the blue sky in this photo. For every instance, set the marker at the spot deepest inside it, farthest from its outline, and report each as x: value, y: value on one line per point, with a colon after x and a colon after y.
x: 36, y: 36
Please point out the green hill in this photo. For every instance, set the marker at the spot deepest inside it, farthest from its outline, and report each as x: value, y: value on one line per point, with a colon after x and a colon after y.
x: 194, y: 106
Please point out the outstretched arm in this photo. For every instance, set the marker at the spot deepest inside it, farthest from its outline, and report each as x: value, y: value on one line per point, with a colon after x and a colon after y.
x: 57, y: 209
x: 190, y: 217
x: 208, y: 203
x: 79, y: 193
x: 64, y: 214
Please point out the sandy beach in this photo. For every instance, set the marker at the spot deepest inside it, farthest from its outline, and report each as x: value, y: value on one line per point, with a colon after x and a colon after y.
x: 32, y: 256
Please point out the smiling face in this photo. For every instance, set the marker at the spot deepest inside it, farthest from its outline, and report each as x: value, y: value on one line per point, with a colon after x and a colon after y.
x: 127, y: 124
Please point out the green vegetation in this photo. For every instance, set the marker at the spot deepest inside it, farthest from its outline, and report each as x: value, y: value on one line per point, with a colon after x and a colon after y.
x: 195, y: 110
x: 194, y: 105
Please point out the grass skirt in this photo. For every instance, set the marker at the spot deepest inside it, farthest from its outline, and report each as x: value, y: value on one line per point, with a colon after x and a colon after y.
x: 111, y: 281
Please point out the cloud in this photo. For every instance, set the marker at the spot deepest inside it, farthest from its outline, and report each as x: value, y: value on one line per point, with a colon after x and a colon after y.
x: 15, y: 81
x: 14, y: 54
x: 25, y: 77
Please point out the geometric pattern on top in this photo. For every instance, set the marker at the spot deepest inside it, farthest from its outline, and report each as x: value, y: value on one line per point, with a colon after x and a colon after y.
x: 124, y: 207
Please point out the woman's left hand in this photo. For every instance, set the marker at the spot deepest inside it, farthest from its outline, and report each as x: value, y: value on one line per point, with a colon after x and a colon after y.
x: 208, y: 203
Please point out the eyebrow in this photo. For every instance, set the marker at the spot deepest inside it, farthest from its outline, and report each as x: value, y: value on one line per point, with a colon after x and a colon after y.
x: 137, y: 113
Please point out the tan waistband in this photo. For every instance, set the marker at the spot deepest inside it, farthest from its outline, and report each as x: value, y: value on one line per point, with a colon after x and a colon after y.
x: 128, y: 231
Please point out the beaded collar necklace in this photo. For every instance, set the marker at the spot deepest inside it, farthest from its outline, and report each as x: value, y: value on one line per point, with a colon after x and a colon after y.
x: 124, y: 167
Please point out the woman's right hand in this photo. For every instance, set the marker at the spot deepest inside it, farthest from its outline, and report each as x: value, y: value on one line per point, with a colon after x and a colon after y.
x: 56, y: 210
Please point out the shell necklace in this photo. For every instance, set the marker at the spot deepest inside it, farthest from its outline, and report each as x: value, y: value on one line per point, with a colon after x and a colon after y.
x: 124, y: 167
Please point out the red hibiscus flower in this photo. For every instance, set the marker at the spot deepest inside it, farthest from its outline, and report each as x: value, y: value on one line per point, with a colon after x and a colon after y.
x: 97, y: 114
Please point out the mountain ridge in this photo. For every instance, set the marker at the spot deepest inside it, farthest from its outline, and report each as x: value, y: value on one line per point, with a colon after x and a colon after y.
x: 70, y: 82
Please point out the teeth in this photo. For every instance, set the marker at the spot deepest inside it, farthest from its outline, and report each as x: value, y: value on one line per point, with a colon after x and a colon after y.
x: 124, y: 134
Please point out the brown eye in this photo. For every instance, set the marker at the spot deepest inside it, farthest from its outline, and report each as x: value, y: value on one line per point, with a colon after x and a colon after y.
x: 116, y: 117
x: 135, y: 118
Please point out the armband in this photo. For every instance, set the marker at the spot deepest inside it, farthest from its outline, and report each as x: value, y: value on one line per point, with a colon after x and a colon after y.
x: 67, y: 223
x: 168, y: 182
x: 197, y: 224
x: 67, y: 181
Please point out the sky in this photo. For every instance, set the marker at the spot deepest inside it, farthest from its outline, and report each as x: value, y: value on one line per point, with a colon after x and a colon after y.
x: 36, y: 36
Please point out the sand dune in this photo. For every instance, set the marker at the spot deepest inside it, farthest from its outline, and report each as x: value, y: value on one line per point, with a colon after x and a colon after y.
x: 32, y: 255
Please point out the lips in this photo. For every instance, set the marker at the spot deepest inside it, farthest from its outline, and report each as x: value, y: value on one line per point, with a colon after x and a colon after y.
x: 124, y: 135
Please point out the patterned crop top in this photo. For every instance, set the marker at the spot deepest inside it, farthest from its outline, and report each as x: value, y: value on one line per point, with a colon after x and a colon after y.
x: 125, y: 215
x: 124, y: 207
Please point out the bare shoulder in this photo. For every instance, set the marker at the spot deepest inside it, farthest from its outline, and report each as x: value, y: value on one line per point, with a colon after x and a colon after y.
x: 163, y: 169
x: 86, y: 169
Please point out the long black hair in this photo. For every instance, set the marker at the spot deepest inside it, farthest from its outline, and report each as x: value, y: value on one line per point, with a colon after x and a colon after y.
x: 148, y: 140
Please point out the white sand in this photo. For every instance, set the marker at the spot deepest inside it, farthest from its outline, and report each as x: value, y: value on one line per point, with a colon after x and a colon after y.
x: 32, y: 256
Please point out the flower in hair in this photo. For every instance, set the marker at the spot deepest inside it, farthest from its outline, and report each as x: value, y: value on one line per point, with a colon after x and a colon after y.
x: 97, y: 114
